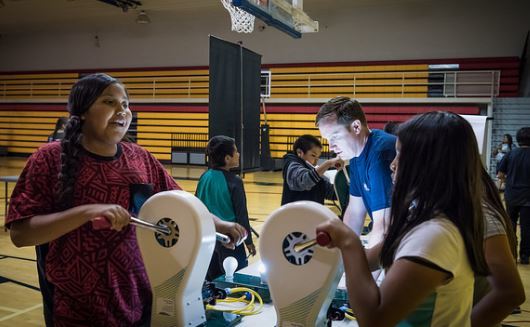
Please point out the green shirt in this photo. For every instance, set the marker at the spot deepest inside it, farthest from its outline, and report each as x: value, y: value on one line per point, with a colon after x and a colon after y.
x: 213, y: 191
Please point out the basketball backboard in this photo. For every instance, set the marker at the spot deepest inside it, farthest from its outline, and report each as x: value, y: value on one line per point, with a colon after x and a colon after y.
x: 285, y: 15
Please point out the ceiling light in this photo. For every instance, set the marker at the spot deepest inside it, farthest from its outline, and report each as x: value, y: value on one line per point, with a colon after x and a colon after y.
x: 143, y: 18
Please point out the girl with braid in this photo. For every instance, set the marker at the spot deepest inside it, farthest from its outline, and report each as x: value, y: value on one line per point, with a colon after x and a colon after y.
x: 90, y: 277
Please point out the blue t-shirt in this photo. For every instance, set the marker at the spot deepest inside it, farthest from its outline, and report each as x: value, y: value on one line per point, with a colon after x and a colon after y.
x: 370, y: 175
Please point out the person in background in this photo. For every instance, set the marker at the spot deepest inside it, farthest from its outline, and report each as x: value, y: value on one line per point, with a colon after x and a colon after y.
x: 223, y: 193
x: 391, y: 127
x: 90, y: 277
x: 303, y: 179
x: 503, y: 148
x: 58, y: 132
x: 514, y: 170
x: 498, y: 153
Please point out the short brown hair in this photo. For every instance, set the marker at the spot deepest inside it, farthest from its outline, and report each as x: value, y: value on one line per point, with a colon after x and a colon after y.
x: 343, y: 109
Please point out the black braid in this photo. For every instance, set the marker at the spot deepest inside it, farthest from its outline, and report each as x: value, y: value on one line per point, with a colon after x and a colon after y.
x: 70, y: 146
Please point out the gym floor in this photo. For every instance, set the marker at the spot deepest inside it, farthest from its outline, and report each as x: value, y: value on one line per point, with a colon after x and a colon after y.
x: 20, y: 300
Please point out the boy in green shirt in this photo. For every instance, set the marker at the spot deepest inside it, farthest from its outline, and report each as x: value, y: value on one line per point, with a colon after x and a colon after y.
x: 224, y: 195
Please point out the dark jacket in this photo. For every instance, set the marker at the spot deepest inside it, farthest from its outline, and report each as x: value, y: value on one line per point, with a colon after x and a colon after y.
x: 302, y: 182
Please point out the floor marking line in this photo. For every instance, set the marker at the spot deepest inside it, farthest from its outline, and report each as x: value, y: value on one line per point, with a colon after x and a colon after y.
x: 8, y: 309
x: 20, y: 312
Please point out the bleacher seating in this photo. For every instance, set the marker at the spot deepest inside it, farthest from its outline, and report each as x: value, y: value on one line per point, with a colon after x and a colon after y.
x: 24, y: 127
x: 377, y: 81
x: 29, y: 101
x: 42, y: 85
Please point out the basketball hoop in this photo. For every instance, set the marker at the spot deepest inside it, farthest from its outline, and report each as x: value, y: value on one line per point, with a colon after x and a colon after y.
x: 242, y: 21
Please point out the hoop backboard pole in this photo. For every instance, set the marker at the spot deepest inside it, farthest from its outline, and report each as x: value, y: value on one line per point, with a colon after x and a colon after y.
x: 241, y: 109
x: 288, y: 17
x: 302, y: 22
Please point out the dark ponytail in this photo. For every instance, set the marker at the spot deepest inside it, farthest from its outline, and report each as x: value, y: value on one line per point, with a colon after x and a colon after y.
x: 82, y: 96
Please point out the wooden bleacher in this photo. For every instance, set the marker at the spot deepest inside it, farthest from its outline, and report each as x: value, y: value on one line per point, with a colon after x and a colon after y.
x: 180, y: 83
x: 154, y: 129
x: 30, y: 103
x: 30, y: 86
x: 23, y: 130
x: 375, y: 81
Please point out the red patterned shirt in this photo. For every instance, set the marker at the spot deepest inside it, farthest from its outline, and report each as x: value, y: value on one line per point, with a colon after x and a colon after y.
x: 98, y: 276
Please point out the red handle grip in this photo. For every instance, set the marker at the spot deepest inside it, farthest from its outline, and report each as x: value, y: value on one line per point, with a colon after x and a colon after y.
x: 100, y: 223
x: 323, y: 238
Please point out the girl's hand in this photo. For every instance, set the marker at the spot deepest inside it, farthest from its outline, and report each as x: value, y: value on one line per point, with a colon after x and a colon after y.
x: 236, y: 232
x: 341, y: 235
x: 116, y: 216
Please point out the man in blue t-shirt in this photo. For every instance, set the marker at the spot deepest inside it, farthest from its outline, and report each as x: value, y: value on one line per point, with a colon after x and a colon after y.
x: 343, y: 123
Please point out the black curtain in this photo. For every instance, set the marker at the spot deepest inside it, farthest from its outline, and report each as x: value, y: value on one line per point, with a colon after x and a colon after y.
x: 234, y: 98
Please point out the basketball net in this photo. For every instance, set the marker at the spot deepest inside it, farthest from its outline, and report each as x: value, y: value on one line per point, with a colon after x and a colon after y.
x: 242, y: 21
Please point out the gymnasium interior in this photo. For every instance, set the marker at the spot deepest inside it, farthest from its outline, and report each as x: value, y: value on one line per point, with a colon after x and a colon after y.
x: 190, y: 75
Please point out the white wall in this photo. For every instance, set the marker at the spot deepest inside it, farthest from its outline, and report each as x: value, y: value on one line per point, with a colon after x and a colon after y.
x: 356, y: 31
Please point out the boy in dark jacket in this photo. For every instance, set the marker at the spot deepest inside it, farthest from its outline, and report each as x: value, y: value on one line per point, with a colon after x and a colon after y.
x: 302, y: 178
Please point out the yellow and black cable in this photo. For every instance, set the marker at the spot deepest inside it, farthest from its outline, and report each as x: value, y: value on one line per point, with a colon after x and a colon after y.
x: 248, y: 298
